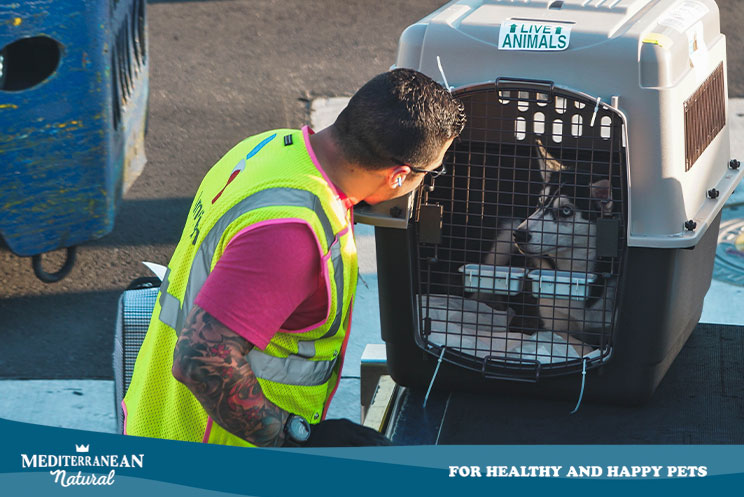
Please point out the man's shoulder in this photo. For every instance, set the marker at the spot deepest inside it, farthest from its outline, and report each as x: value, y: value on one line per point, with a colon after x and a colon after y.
x: 270, y: 134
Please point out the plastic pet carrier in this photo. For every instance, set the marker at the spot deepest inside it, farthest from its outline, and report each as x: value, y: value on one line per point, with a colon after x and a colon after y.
x: 73, y: 107
x: 575, y: 229
x: 133, y: 315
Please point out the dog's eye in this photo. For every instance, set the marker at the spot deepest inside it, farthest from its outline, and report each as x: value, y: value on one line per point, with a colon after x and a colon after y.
x: 566, y: 211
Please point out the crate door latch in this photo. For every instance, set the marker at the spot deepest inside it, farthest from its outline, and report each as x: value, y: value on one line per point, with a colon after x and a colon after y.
x: 430, y: 223
x: 608, y: 237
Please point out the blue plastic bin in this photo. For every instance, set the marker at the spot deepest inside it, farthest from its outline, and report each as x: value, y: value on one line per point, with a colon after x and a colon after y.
x: 73, y: 106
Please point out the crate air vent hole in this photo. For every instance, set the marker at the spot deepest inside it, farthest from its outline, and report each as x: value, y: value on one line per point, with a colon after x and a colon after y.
x: 28, y: 62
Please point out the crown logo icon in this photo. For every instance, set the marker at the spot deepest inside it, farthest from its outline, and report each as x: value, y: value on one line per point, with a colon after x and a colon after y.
x: 82, y: 448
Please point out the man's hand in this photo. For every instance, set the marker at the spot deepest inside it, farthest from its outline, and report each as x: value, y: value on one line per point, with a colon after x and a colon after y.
x: 209, y: 359
x: 343, y: 433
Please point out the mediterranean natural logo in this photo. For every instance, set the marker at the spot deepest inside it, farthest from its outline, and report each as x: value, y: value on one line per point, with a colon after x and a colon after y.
x: 82, y: 468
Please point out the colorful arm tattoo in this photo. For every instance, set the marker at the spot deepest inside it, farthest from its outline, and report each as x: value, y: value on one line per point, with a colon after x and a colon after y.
x: 209, y: 359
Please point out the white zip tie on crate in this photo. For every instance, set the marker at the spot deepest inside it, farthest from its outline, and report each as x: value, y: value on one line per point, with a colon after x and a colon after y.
x: 581, y: 394
x: 594, y: 116
x: 436, y: 370
x: 444, y: 78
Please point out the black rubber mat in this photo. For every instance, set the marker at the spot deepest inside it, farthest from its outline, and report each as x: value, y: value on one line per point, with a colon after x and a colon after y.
x: 699, y: 401
x: 414, y: 423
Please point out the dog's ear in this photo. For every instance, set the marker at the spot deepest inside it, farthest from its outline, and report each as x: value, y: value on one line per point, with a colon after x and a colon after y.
x: 548, y: 163
x: 601, y: 191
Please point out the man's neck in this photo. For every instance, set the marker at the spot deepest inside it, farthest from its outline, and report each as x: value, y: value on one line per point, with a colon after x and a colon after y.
x: 349, y: 178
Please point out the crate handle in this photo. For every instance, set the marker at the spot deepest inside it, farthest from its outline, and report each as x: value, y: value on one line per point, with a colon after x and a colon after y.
x: 54, y: 277
x: 505, y: 80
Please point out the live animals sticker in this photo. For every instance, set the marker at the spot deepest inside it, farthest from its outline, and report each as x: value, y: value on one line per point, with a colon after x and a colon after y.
x: 520, y: 35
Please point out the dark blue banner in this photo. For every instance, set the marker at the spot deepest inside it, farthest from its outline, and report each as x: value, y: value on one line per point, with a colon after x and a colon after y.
x: 40, y: 460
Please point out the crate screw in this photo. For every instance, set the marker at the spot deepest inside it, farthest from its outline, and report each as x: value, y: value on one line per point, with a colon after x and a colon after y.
x: 713, y: 193
x: 734, y: 164
x: 396, y: 211
x: 690, y: 225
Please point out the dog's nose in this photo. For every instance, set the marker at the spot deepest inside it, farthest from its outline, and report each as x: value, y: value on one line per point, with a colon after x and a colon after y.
x: 521, y: 235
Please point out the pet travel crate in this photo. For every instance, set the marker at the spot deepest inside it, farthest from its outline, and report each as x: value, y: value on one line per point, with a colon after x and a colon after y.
x: 575, y: 229
x: 73, y: 105
x: 133, y: 315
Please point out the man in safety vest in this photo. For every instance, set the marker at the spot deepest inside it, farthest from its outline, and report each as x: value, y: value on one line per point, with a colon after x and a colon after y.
x: 247, y: 338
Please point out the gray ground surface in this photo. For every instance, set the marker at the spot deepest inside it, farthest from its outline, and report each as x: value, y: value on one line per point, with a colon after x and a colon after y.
x: 220, y: 71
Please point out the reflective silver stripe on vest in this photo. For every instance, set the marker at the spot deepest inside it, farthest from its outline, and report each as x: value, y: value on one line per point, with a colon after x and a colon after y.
x: 170, y: 308
x: 172, y: 314
x: 306, y: 349
x: 338, y: 269
x: 292, y: 370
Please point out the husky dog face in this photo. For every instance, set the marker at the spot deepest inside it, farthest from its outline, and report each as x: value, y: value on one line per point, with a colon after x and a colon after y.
x: 563, y: 227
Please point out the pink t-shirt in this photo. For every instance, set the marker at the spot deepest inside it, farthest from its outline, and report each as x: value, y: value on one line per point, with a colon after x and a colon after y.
x: 267, y: 279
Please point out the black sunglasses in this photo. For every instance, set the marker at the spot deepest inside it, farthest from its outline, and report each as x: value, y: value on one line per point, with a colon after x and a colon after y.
x: 435, y: 173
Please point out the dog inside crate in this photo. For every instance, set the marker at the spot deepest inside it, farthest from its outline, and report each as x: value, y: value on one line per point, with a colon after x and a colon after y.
x: 523, y: 266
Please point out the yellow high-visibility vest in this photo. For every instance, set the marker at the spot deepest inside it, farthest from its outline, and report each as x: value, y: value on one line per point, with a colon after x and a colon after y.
x: 267, y: 178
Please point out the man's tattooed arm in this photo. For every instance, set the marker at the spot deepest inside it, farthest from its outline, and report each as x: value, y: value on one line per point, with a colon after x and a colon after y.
x: 209, y: 360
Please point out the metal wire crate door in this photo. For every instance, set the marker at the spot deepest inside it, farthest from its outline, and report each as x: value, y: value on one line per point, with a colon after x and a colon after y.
x: 519, y: 248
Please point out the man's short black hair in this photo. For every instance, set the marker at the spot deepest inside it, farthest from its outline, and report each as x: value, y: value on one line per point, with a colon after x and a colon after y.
x: 401, y: 116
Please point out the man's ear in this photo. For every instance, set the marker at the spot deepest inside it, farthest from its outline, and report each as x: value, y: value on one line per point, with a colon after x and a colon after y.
x: 394, y: 173
x: 601, y: 192
x: 548, y: 163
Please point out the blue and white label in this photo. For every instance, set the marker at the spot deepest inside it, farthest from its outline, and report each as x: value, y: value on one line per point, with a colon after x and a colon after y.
x: 520, y: 35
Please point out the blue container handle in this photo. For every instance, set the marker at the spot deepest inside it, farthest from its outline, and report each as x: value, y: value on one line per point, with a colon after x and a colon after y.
x: 54, y: 277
